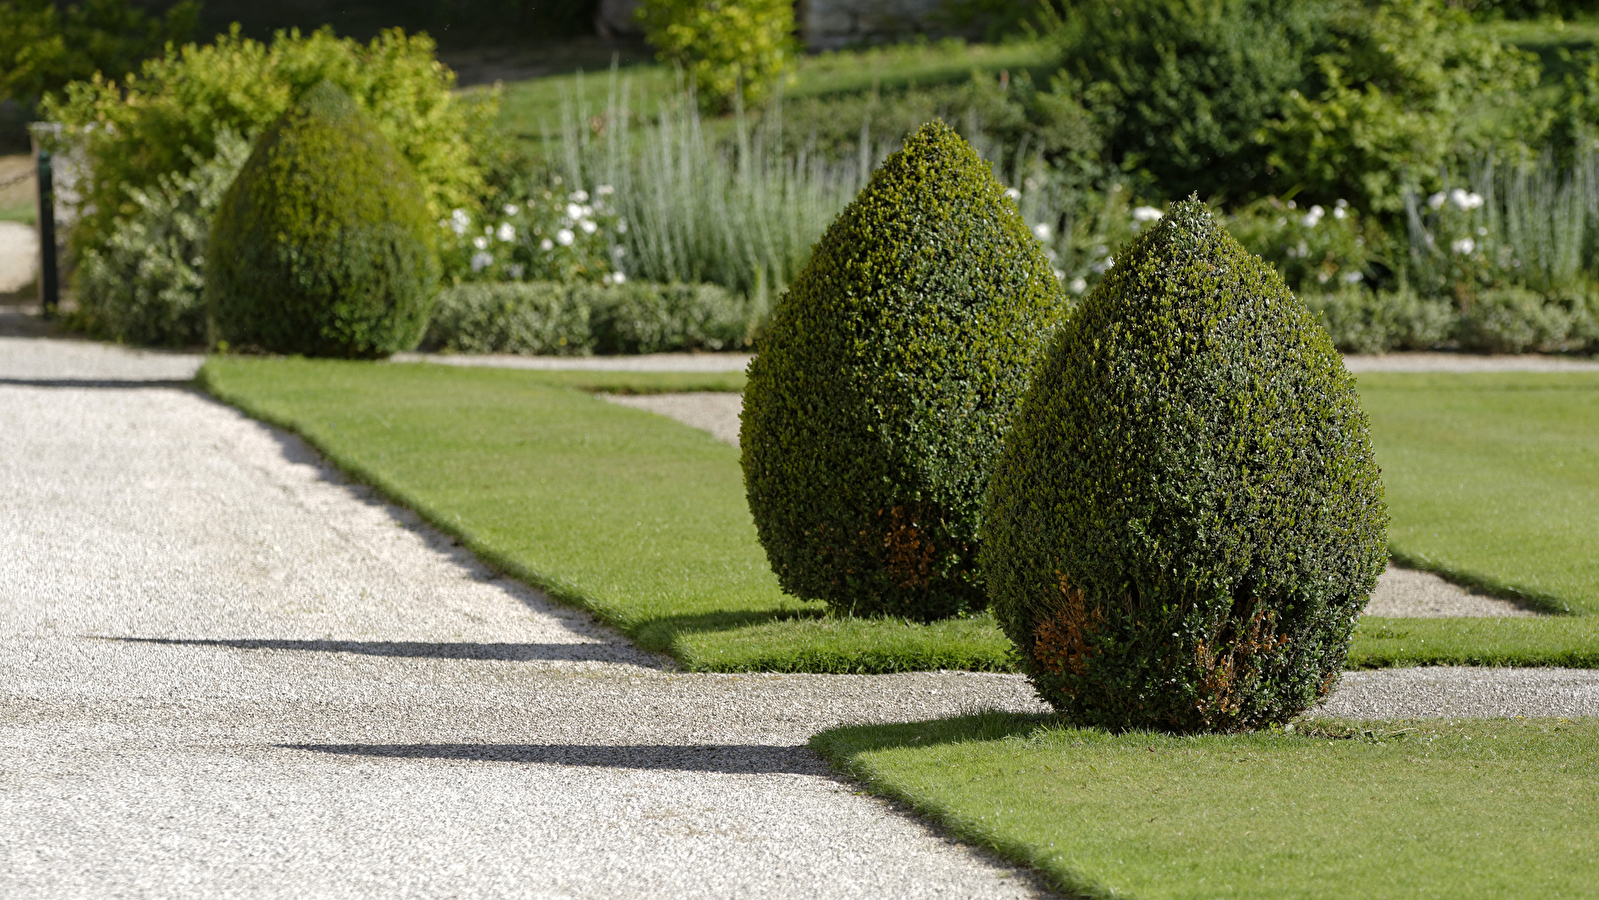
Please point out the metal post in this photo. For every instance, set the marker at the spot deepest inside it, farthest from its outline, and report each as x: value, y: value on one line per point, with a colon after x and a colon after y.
x: 49, y: 288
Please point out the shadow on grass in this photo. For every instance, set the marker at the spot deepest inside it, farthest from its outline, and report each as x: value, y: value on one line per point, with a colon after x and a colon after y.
x: 841, y: 745
x: 1546, y: 604
x: 727, y: 759
x: 664, y: 631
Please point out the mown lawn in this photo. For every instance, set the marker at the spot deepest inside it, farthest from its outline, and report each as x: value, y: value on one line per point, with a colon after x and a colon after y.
x: 1492, y: 479
x: 535, y: 106
x: 1465, y: 809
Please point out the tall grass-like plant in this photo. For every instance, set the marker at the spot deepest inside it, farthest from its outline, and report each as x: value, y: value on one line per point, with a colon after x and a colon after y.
x: 693, y: 209
x: 1529, y: 225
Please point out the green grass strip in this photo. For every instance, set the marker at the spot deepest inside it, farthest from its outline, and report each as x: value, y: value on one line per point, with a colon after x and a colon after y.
x: 630, y: 515
x: 643, y: 520
x: 638, y: 382
x: 1465, y: 809
x: 1493, y: 479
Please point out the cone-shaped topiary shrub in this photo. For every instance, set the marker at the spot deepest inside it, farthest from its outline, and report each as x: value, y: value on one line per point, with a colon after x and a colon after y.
x: 1187, y: 519
x: 322, y: 245
x: 885, y: 383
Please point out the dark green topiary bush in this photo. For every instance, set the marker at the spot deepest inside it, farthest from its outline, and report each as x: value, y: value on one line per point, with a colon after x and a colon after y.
x: 322, y: 246
x: 1187, y: 519
x: 884, y: 386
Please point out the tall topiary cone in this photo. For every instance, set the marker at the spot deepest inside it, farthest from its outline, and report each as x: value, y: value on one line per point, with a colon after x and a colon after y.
x: 322, y: 245
x: 1187, y: 518
x: 883, y: 388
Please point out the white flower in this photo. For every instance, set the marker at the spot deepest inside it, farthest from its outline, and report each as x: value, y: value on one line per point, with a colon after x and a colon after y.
x: 1464, y: 245
x: 514, y: 270
x: 1352, y: 277
x: 1013, y: 193
x: 618, y: 251
x: 1042, y: 231
x: 546, y: 245
x: 1482, y: 231
x: 481, y: 261
x: 564, y: 237
x: 1342, y: 204
x: 1464, y: 200
x: 621, y: 226
x: 1312, y: 217
x: 1292, y: 205
x: 460, y: 221
x: 579, y: 196
x: 1146, y: 214
x: 588, y: 226
x: 573, y: 211
x: 618, y: 278
x: 1078, y: 285
x: 482, y: 243
x: 1339, y: 212
x: 506, y: 233
x: 1059, y: 274
x: 604, y: 190
x: 1436, y: 201
x: 511, y: 209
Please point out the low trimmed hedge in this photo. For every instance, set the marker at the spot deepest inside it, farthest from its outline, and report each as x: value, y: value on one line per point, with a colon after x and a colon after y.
x: 1499, y: 320
x: 553, y: 318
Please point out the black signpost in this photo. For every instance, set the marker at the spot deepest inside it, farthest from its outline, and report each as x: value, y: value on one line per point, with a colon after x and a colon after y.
x: 49, y: 289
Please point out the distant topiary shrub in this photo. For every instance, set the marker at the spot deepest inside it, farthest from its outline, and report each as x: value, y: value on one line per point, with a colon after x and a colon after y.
x: 1187, y: 519
x: 883, y: 388
x: 323, y: 245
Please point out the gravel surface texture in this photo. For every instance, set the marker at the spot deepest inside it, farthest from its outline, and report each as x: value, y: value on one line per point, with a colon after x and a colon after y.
x: 19, y: 256
x: 1467, y: 362
x: 224, y: 671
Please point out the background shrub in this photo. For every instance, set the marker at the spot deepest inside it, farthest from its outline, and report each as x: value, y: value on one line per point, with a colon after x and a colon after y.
x: 1182, y: 88
x: 532, y: 318
x: 323, y: 245
x: 576, y: 319
x: 166, y: 119
x: 1187, y: 517
x: 887, y: 379
x: 43, y: 47
x: 146, y: 283
x: 727, y: 47
x: 637, y: 317
x: 1360, y: 320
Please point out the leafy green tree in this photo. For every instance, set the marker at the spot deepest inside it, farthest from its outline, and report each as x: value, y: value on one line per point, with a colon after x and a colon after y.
x: 43, y: 48
x: 728, y: 47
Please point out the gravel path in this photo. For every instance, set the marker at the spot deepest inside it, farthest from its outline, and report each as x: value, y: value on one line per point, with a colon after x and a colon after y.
x: 226, y: 672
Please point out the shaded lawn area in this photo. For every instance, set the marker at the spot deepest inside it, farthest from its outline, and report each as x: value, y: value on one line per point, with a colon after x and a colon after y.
x: 1465, y: 809
x: 643, y: 520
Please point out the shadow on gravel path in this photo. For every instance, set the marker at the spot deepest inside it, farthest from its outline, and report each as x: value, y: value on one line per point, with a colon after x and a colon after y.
x: 727, y: 759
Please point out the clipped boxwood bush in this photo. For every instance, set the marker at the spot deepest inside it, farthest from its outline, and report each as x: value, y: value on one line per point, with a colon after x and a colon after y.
x: 884, y: 385
x: 544, y: 317
x: 1187, y: 519
x: 323, y: 245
